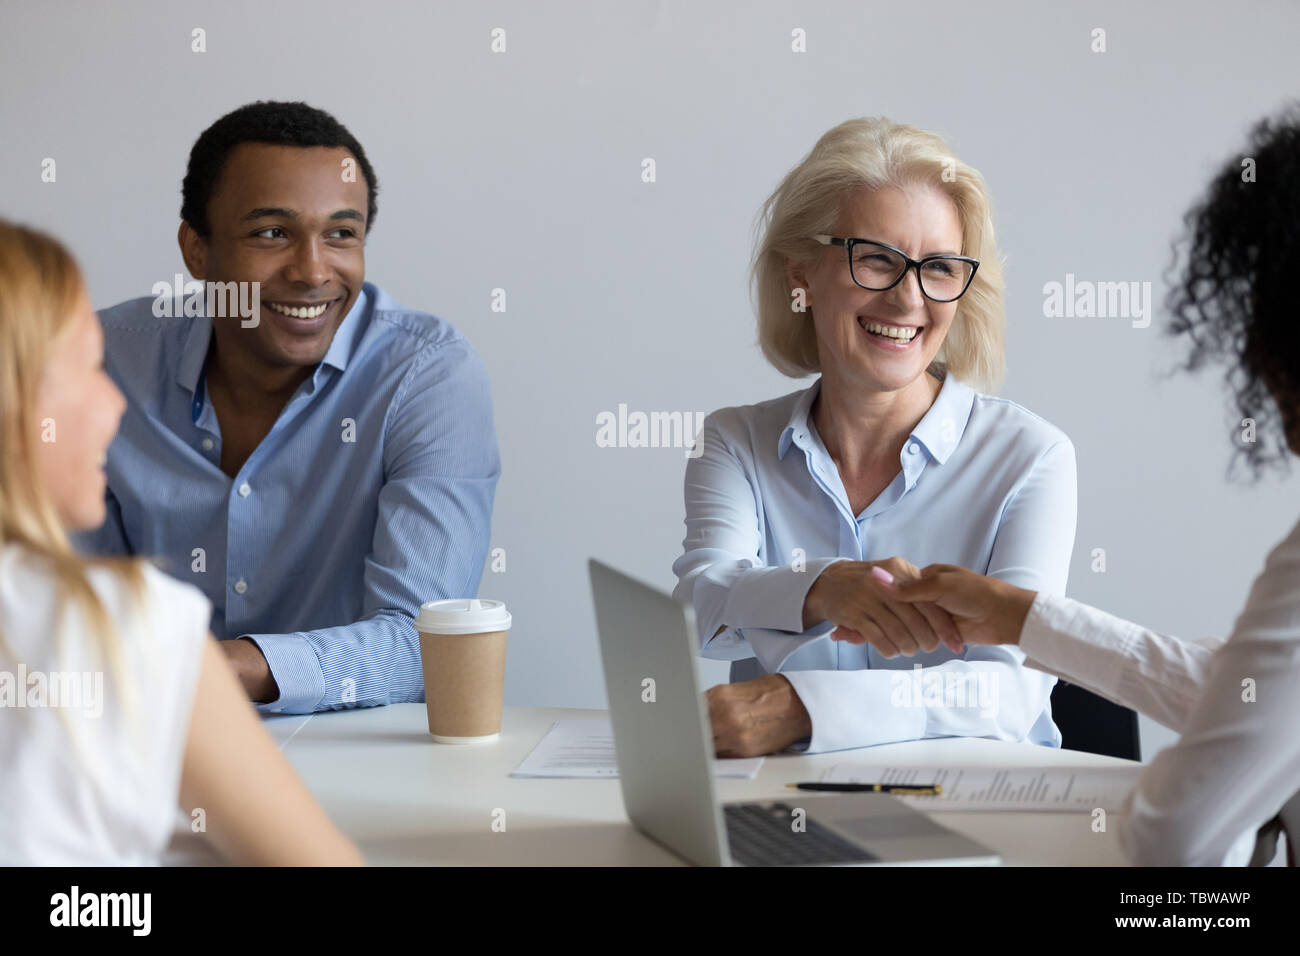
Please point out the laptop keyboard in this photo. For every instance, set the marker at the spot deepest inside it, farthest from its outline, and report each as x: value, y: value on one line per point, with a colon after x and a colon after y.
x: 762, y: 835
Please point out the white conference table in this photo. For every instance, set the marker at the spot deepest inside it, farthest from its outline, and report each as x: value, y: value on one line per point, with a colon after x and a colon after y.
x: 406, y: 800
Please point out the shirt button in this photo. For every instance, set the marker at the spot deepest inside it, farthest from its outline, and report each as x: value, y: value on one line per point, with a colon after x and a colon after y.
x: 207, y: 444
x: 912, y: 449
x: 244, y: 490
x: 241, y: 586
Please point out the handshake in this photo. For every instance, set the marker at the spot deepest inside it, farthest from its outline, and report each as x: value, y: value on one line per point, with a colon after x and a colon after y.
x: 900, y: 609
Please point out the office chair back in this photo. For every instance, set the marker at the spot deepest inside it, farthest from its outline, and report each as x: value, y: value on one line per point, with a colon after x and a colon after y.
x: 1093, y: 724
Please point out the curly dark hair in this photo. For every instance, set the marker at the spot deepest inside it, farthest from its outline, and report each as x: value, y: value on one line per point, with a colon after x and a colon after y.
x: 1235, y: 296
x: 280, y: 124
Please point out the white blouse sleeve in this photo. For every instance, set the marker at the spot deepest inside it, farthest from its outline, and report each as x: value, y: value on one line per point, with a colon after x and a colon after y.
x: 1201, y: 801
x: 1152, y: 673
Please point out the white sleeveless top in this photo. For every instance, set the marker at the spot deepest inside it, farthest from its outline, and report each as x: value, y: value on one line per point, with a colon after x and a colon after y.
x: 112, y: 799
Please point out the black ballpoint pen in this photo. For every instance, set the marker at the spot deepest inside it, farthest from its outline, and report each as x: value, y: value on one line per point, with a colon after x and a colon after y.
x: 901, y: 789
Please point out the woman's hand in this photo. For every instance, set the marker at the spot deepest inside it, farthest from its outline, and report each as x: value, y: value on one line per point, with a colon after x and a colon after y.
x: 985, y: 610
x: 754, y: 717
x: 864, y: 610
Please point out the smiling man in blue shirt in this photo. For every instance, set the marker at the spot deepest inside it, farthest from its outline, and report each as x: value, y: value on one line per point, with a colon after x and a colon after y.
x: 318, y: 468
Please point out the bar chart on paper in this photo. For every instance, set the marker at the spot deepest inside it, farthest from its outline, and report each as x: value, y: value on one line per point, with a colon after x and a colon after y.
x: 1053, y: 789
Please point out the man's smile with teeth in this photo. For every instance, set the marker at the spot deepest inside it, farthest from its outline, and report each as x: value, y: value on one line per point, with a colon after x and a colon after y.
x: 902, y: 333
x: 304, y: 312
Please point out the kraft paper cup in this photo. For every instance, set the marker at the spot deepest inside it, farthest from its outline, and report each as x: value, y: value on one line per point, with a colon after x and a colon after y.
x: 463, y: 653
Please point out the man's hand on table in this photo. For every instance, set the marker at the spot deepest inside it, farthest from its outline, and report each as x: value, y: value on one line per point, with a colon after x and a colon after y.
x: 250, y: 666
x: 755, y: 717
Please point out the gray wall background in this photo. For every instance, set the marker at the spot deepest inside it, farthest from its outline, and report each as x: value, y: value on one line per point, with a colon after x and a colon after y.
x: 522, y: 171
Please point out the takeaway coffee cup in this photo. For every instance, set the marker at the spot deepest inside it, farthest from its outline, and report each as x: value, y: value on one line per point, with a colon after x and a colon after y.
x: 463, y: 652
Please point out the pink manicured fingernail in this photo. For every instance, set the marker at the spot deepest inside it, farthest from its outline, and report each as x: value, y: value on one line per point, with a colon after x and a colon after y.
x: 882, y: 574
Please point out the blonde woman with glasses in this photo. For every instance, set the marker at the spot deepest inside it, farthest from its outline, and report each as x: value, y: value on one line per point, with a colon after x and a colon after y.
x: 115, y: 706
x: 876, y: 269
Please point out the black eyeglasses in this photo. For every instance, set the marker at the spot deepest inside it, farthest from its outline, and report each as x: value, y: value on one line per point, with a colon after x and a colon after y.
x: 878, y: 266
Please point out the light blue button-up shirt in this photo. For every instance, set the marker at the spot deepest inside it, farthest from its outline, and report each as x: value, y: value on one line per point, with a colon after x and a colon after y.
x: 371, y: 494
x: 984, y: 484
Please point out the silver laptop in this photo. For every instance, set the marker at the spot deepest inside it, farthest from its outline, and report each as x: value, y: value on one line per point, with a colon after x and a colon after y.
x: 665, y: 760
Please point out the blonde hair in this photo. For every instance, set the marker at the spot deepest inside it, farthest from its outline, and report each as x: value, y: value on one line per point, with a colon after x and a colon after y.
x: 875, y: 153
x: 40, y: 289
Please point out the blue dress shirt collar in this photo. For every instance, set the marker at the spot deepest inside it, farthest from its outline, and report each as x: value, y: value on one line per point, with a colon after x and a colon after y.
x: 938, y: 432
x: 194, y: 354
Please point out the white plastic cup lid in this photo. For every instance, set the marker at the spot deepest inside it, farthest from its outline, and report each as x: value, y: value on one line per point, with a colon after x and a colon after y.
x: 463, y: 616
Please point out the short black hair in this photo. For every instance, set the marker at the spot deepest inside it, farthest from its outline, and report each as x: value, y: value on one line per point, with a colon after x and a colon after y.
x: 280, y: 124
x: 1235, y: 297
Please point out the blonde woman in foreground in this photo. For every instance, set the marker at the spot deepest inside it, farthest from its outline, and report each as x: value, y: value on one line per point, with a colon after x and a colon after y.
x: 116, y: 706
